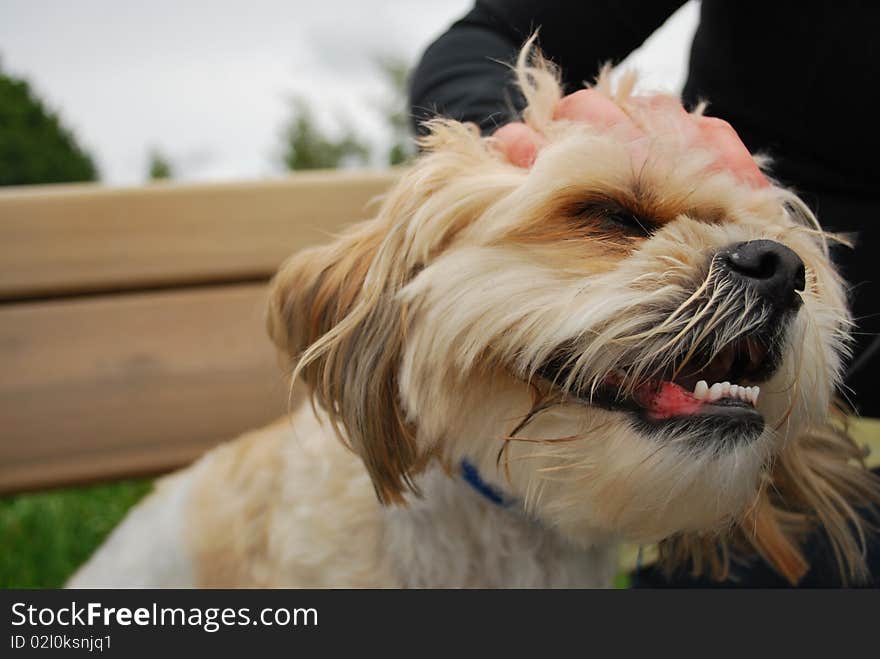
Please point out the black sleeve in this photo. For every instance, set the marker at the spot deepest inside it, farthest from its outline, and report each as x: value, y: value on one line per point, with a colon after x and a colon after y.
x: 465, y: 74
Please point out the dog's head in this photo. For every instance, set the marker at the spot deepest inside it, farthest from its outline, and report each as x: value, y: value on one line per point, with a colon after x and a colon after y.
x: 593, y: 335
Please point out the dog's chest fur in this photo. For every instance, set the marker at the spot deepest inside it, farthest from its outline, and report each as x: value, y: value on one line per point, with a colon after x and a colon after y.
x: 453, y: 536
x: 288, y: 506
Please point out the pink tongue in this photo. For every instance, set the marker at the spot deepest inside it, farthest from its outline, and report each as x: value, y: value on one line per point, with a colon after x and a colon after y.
x: 667, y: 399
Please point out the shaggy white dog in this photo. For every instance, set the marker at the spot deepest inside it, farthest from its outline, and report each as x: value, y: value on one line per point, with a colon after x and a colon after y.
x: 527, y: 367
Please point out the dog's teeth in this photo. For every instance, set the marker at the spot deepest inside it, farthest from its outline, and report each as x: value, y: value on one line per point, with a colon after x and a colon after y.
x: 719, y: 390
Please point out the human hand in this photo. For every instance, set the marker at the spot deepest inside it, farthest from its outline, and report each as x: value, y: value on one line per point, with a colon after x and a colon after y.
x: 520, y: 143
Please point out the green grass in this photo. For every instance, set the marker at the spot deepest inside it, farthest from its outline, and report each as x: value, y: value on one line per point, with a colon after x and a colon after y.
x: 45, y: 536
x: 622, y: 581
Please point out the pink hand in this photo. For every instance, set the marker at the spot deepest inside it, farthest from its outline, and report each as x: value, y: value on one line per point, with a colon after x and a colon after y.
x: 520, y: 143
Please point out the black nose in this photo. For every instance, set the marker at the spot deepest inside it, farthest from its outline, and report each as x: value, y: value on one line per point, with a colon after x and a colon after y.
x: 769, y: 268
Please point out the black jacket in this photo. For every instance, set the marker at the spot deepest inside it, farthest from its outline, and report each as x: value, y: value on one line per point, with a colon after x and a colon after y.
x: 793, y: 78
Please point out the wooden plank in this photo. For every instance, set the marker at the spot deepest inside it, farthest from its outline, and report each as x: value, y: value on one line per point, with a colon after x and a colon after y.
x: 58, y: 240
x: 130, y: 384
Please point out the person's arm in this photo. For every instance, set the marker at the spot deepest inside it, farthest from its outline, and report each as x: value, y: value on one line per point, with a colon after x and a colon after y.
x: 465, y: 74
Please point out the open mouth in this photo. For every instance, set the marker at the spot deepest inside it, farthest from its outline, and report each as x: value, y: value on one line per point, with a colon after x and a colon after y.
x: 721, y: 390
x: 727, y: 385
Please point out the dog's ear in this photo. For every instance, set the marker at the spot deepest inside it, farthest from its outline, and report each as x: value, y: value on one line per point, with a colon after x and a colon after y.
x: 819, y: 491
x: 316, y: 288
x: 335, y: 310
x: 337, y: 321
x: 819, y: 484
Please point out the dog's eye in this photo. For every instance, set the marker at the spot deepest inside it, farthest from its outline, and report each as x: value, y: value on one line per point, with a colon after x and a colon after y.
x: 613, y: 217
x: 628, y: 222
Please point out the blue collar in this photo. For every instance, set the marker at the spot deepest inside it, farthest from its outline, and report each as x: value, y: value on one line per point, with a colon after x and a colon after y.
x: 472, y: 477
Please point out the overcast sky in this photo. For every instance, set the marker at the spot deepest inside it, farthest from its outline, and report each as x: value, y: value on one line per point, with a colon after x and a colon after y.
x: 210, y: 83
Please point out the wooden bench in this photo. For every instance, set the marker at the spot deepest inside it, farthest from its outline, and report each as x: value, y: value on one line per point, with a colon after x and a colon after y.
x: 131, y: 321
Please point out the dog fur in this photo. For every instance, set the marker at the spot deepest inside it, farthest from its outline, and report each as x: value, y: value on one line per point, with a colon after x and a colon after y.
x: 423, y: 338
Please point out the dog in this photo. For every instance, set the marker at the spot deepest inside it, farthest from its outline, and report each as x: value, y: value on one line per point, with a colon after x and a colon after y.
x: 526, y: 368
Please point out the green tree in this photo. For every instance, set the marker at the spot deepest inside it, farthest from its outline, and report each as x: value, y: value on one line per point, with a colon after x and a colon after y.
x: 307, y: 147
x: 159, y: 167
x: 34, y: 145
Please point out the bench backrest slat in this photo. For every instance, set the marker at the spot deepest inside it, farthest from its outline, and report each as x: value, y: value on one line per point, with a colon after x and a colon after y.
x: 59, y: 240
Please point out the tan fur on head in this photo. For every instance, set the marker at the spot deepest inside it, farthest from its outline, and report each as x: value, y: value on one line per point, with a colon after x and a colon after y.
x: 426, y: 332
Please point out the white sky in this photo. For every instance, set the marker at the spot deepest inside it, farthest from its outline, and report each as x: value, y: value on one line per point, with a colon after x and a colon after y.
x: 209, y: 83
